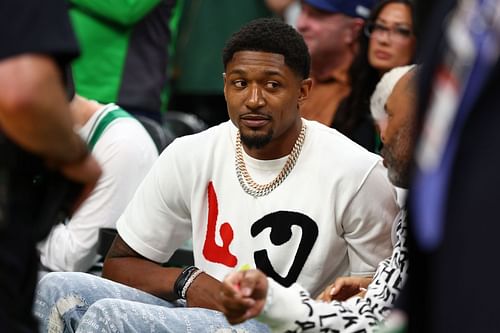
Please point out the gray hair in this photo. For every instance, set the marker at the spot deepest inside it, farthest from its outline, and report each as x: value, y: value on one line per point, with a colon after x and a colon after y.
x: 384, y: 89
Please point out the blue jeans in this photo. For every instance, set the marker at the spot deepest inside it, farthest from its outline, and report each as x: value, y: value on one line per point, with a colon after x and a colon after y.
x: 80, y: 302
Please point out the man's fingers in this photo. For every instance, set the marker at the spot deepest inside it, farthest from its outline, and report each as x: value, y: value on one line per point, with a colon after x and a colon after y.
x: 238, y: 306
x: 232, y: 283
x: 248, y: 282
x: 243, y: 294
x: 235, y: 306
x: 235, y: 320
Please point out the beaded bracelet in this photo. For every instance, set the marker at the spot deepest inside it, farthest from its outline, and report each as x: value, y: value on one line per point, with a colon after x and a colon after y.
x: 189, y: 282
x: 182, y: 280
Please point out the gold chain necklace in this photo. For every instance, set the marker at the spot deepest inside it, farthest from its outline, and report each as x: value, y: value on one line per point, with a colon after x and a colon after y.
x: 259, y: 190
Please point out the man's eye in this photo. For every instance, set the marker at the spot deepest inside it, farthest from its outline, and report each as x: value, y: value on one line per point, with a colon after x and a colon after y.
x: 272, y: 84
x: 240, y: 84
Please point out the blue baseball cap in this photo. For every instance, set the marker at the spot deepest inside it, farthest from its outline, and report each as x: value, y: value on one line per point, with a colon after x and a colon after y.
x: 353, y: 8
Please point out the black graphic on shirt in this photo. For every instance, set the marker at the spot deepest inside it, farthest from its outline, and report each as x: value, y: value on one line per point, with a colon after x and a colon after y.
x: 281, y: 232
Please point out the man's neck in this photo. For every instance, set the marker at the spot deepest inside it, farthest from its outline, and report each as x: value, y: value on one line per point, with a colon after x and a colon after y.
x: 323, y: 66
x: 323, y: 70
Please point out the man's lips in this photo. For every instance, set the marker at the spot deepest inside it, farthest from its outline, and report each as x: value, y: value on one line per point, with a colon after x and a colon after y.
x: 254, y: 120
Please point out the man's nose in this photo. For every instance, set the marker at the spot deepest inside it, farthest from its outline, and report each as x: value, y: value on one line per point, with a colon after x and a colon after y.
x: 255, y: 98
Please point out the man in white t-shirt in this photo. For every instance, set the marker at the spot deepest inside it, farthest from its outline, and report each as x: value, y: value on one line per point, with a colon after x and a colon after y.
x: 250, y: 293
x: 267, y: 189
x: 125, y: 152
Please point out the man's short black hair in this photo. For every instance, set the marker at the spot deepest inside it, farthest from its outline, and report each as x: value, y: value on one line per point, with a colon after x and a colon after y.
x: 274, y: 36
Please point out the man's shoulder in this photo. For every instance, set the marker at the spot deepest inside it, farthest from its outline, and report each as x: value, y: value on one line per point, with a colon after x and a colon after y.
x: 117, y: 124
x: 115, y: 132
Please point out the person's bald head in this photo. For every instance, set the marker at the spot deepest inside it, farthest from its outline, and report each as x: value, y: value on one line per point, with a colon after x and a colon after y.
x: 398, y: 136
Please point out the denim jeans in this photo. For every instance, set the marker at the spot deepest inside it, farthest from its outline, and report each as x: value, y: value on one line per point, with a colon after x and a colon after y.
x: 80, y: 302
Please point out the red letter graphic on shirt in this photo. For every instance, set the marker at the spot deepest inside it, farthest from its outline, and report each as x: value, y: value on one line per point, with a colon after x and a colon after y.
x: 212, y: 251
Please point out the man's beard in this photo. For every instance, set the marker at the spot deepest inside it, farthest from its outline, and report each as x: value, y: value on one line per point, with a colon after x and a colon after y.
x: 256, y: 141
x: 398, y: 171
x: 398, y: 177
x: 399, y: 160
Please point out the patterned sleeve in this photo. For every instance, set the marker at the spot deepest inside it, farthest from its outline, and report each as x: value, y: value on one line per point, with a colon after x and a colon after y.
x: 304, y: 314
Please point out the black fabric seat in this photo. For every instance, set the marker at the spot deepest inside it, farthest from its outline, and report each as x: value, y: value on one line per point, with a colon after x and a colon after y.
x: 161, y: 136
x: 182, y: 123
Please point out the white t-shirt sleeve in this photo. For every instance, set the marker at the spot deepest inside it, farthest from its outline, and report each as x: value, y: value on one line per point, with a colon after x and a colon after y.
x: 157, y: 221
x: 367, y: 222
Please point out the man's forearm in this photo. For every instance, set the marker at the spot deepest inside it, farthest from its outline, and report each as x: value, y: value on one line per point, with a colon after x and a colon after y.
x: 34, y: 110
x: 153, y: 278
x: 122, y: 263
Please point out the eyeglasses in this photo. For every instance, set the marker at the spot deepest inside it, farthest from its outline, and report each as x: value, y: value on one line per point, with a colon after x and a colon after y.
x: 396, y: 34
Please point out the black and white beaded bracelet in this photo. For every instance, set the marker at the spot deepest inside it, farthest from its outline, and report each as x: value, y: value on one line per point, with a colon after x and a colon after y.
x: 185, y: 280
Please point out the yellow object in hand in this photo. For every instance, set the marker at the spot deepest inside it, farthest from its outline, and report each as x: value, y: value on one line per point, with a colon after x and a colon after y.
x: 245, y: 267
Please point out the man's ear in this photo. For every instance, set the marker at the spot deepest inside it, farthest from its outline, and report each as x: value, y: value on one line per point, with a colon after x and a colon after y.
x: 354, y: 30
x: 305, y: 89
x: 224, y: 82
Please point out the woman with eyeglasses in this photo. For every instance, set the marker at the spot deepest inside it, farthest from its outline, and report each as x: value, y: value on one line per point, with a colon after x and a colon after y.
x: 388, y: 41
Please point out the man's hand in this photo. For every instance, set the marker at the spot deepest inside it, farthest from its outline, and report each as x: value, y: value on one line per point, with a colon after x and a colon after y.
x: 243, y: 295
x: 204, y: 293
x: 87, y: 172
x: 344, y: 288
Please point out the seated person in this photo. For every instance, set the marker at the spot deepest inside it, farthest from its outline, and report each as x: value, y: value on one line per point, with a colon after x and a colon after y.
x: 378, y: 112
x: 331, y: 29
x: 237, y: 189
x: 125, y: 152
x: 388, y: 41
x: 247, y: 294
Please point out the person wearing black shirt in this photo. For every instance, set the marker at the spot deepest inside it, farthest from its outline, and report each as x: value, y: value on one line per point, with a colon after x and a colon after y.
x: 45, y: 169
